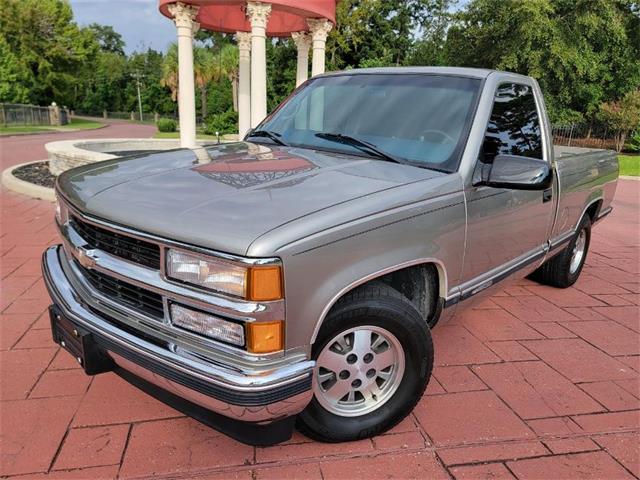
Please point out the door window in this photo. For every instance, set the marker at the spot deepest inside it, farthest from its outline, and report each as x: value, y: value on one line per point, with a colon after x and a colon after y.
x: 514, y: 126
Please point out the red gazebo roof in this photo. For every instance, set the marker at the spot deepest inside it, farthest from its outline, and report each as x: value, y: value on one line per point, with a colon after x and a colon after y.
x: 228, y: 16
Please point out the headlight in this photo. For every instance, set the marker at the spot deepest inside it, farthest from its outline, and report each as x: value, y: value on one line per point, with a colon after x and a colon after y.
x: 207, y: 325
x: 58, y: 211
x: 61, y: 211
x: 260, y: 283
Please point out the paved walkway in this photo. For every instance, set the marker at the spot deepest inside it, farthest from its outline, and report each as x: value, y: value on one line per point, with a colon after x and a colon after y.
x: 26, y: 148
x: 534, y: 383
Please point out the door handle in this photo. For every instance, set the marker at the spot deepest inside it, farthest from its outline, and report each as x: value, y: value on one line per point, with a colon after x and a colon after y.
x: 547, y: 195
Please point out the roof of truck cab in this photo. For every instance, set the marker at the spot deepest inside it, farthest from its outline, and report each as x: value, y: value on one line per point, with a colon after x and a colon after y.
x: 461, y: 71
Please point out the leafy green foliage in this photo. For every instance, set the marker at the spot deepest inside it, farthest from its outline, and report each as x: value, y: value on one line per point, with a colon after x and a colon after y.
x: 633, y: 143
x: 582, y: 52
x: 47, y: 51
x: 222, y: 123
x: 622, y: 116
x: 167, y: 125
x: 108, y: 39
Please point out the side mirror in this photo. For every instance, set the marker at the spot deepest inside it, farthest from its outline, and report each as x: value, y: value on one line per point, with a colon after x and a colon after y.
x: 516, y: 172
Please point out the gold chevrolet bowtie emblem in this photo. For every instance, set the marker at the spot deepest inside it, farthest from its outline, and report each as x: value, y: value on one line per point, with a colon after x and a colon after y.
x: 85, y: 257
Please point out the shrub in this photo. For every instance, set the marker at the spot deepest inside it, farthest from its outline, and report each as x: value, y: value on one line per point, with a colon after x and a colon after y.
x: 622, y: 116
x: 634, y: 142
x: 167, y: 125
x: 223, y: 123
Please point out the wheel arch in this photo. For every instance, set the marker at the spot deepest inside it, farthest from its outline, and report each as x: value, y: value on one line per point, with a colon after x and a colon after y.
x: 409, y: 268
x: 592, y: 209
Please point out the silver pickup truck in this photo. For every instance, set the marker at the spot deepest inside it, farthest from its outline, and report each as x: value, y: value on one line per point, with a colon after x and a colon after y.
x: 293, y: 278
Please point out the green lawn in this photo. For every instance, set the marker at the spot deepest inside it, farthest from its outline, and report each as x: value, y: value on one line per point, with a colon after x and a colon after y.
x: 73, y: 125
x: 22, y: 129
x: 629, y: 165
x: 81, y: 124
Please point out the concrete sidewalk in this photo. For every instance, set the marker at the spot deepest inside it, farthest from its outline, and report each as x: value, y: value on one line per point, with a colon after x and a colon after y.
x: 535, y: 383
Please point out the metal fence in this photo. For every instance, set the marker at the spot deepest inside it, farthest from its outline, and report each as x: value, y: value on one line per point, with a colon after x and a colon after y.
x: 584, y: 135
x: 147, y: 117
x: 17, y: 114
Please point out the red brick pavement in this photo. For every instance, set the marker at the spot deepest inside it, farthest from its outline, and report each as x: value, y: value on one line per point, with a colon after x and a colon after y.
x: 535, y: 382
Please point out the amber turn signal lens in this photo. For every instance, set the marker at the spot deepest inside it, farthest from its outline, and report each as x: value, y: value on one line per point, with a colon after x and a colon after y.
x: 265, y: 337
x: 265, y: 283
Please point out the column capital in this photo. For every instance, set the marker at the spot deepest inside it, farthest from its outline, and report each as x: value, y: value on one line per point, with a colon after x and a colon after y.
x: 319, y: 28
x: 184, y: 16
x: 258, y: 14
x: 244, y: 41
x: 302, y: 40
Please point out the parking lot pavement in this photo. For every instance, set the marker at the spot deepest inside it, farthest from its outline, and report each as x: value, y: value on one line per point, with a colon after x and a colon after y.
x: 534, y: 382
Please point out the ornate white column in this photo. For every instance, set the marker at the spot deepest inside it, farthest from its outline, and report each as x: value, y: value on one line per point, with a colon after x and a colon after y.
x: 319, y: 28
x: 184, y: 18
x: 303, y: 43
x: 244, y: 83
x: 258, y: 14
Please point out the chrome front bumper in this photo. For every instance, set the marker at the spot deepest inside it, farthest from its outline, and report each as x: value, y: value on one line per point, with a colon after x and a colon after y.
x: 258, y: 396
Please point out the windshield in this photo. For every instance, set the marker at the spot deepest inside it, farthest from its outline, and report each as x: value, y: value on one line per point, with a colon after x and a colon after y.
x: 420, y: 119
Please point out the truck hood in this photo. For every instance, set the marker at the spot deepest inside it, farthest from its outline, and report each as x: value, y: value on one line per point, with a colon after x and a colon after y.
x: 226, y: 196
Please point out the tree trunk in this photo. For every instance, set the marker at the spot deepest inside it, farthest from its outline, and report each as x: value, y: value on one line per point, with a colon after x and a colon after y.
x: 234, y: 89
x: 620, y: 139
x: 203, y: 102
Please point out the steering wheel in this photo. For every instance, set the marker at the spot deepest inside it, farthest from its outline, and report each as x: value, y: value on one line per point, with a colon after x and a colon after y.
x: 444, y: 137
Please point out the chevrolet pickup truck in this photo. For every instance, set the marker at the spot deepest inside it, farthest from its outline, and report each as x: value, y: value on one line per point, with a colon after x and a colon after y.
x: 293, y: 278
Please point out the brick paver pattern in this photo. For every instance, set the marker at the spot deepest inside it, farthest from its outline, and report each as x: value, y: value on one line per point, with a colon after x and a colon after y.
x: 534, y: 382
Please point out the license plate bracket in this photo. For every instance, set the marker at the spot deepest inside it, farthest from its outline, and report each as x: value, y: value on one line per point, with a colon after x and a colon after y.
x: 79, y: 342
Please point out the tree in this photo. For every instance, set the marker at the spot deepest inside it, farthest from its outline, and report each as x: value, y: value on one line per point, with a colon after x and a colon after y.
x: 622, y: 116
x: 44, y: 41
x: 170, y: 71
x: 377, y: 32
x: 228, y: 67
x: 204, y: 69
x: 16, y: 80
x: 108, y: 39
x: 582, y: 52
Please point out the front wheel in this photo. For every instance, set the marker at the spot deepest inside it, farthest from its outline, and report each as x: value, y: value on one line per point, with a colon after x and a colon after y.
x: 374, y: 357
x: 563, y: 270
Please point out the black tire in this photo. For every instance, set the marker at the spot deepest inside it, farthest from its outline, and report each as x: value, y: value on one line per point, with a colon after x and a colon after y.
x: 556, y: 272
x: 382, y: 306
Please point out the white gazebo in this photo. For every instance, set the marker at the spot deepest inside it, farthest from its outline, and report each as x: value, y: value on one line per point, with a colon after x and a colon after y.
x: 308, y: 22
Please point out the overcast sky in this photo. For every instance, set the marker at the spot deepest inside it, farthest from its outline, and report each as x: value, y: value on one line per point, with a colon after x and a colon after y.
x: 138, y: 21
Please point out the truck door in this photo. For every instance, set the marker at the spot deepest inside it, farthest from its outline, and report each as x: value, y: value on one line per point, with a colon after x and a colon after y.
x: 507, y: 229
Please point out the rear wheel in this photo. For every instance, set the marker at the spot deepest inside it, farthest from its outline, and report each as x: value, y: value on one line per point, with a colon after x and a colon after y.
x: 374, y: 357
x: 563, y: 270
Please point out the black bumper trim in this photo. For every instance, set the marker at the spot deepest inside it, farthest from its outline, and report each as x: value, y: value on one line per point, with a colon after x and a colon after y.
x: 245, y: 432
x: 244, y: 399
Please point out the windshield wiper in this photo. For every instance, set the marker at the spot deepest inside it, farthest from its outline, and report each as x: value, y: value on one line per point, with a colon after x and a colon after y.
x: 269, y: 134
x: 358, y: 143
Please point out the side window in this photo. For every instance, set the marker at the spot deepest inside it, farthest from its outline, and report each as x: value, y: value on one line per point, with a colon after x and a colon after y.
x: 514, y: 126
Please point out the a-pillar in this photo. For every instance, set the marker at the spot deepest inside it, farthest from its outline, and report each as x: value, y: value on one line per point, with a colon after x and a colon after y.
x: 244, y: 83
x: 184, y: 18
x: 258, y: 14
x: 303, y: 44
x: 319, y: 29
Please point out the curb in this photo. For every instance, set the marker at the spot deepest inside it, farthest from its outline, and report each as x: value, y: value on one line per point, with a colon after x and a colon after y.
x: 14, y: 184
x: 629, y: 177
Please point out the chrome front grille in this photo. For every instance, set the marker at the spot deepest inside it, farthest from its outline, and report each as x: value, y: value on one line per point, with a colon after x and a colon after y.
x: 138, y: 298
x: 133, y: 249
